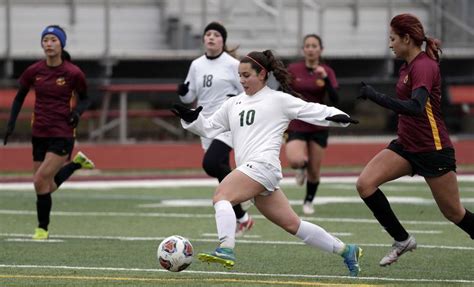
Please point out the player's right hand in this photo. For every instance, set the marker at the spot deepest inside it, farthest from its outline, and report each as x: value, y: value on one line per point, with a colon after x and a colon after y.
x: 187, y: 114
x: 183, y: 89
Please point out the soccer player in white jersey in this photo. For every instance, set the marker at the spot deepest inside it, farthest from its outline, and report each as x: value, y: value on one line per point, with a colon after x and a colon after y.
x: 257, y: 119
x: 211, y: 80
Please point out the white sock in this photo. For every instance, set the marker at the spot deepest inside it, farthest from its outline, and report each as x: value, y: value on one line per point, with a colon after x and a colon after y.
x: 315, y: 236
x: 226, y: 223
x: 243, y: 218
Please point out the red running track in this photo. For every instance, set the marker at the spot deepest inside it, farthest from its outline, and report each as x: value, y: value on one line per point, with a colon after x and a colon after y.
x: 14, y: 158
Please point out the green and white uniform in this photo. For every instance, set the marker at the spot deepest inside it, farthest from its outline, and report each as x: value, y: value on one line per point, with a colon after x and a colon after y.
x: 257, y: 124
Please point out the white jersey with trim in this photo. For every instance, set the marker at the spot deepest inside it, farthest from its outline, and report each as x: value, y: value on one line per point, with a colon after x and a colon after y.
x: 211, y: 80
x: 257, y: 123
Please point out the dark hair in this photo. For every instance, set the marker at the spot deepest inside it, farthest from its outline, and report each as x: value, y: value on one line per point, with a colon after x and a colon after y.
x: 65, y: 56
x: 266, y: 60
x: 317, y: 37
x: 314, y: 36
x: 408, y: 24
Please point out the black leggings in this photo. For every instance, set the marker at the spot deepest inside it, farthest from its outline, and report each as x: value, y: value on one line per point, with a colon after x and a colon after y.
x: 216, y: 160
x: 216, y: 164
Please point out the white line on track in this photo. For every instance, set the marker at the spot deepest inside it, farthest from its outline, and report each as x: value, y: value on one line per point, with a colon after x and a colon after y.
x: 154, y: 183
x: 239, y: 274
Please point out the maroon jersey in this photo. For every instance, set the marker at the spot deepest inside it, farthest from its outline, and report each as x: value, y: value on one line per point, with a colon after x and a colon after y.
x: 427, y: 132
x: 54, y: 88
x: 312, y: 87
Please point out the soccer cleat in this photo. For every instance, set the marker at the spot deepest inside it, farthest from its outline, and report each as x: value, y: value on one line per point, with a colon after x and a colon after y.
x: 308, y: 208
x: 40, y: 234
x: 351, y: 258
x: 243, y: 227
x: 221, y: 255
x: 398, y: 249
x: 84, y: 161
x: 300, y: 176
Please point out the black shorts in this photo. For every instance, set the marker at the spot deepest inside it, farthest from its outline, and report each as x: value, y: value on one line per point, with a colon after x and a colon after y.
x: 59, y: 146
x: 320, y: 137
x: 427, y: 164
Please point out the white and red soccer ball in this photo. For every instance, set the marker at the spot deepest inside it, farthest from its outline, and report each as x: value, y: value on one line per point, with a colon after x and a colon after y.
x: 175, y: 253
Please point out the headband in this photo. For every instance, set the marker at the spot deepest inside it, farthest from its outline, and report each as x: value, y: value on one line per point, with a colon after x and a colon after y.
x: 56, y: 32
x: 255, y: 61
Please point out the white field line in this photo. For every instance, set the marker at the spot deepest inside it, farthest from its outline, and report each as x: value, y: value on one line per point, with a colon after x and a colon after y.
x: 239, y: 274
x: 109, y: 184
x: 195, y: 215
x: 239, y: 240
x: 321, y: 200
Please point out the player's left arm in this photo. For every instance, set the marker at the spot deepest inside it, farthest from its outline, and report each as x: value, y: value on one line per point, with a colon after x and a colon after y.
x: 83, y: 101
x: 415, y: 106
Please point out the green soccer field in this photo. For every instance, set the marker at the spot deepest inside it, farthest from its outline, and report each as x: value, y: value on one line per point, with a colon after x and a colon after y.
x: 108, y: 236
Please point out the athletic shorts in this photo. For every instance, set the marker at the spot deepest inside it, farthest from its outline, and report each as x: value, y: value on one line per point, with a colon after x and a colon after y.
x: 223, y: 137
x: 321, y: 137
x: 263, y: 173
x: 59, y: 146
x: 427, y: 164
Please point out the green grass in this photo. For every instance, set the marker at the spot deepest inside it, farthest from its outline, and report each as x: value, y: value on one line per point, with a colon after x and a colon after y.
x: 109, y: 238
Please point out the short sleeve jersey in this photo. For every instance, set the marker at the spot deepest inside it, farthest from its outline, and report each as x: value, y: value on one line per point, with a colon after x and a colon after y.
x: 54, y: 88
x: 312, y: 87
x: 427, y: 132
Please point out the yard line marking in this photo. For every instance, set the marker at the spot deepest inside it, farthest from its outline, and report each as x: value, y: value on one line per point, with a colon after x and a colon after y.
x: 239, y: 240
x: 238, y: 274
x: 321, y: 200
x: 154, y: 183
x: 198, y: 215
x: 246, y: 235
x: 425, y: 231
x: 33, y: 240
x: 175, y: 280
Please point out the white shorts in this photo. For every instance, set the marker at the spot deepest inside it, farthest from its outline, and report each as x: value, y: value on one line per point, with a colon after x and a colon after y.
x: 223, y: 137
x: 263, y: 173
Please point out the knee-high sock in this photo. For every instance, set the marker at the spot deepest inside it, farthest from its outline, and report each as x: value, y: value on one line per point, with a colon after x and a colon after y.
x: 65, y: 172
x: 467, y: 223
x: 240, y: 213
x: 226, y: 223
x: 316, y: 236
x: 311, y: 188
x: 43, y: 209
x: 382, y: 211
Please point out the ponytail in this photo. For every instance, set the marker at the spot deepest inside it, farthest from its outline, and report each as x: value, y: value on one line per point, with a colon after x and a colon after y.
x: 267, y: 61
x: 432, y: 48
x: 65, y: 56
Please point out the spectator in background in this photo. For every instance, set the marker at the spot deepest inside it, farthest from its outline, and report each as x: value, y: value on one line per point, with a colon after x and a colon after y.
x: 56, y: 81
x: 257, y: 120
x: 211, y: 80
x: 423, y: 146
x: 306, y: 143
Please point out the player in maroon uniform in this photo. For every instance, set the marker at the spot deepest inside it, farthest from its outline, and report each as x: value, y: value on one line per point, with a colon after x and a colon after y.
x: 306, y: 143
x: 423, y: 146
x: 57, y: 83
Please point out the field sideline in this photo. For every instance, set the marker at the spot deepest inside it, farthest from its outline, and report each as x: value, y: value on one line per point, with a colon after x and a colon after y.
x: 106, y: 234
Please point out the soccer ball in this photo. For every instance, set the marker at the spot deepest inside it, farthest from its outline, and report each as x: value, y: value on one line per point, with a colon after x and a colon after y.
x: 175, y: 253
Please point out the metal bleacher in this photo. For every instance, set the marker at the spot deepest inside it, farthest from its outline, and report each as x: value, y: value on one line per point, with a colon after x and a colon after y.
x: 153, y: 29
